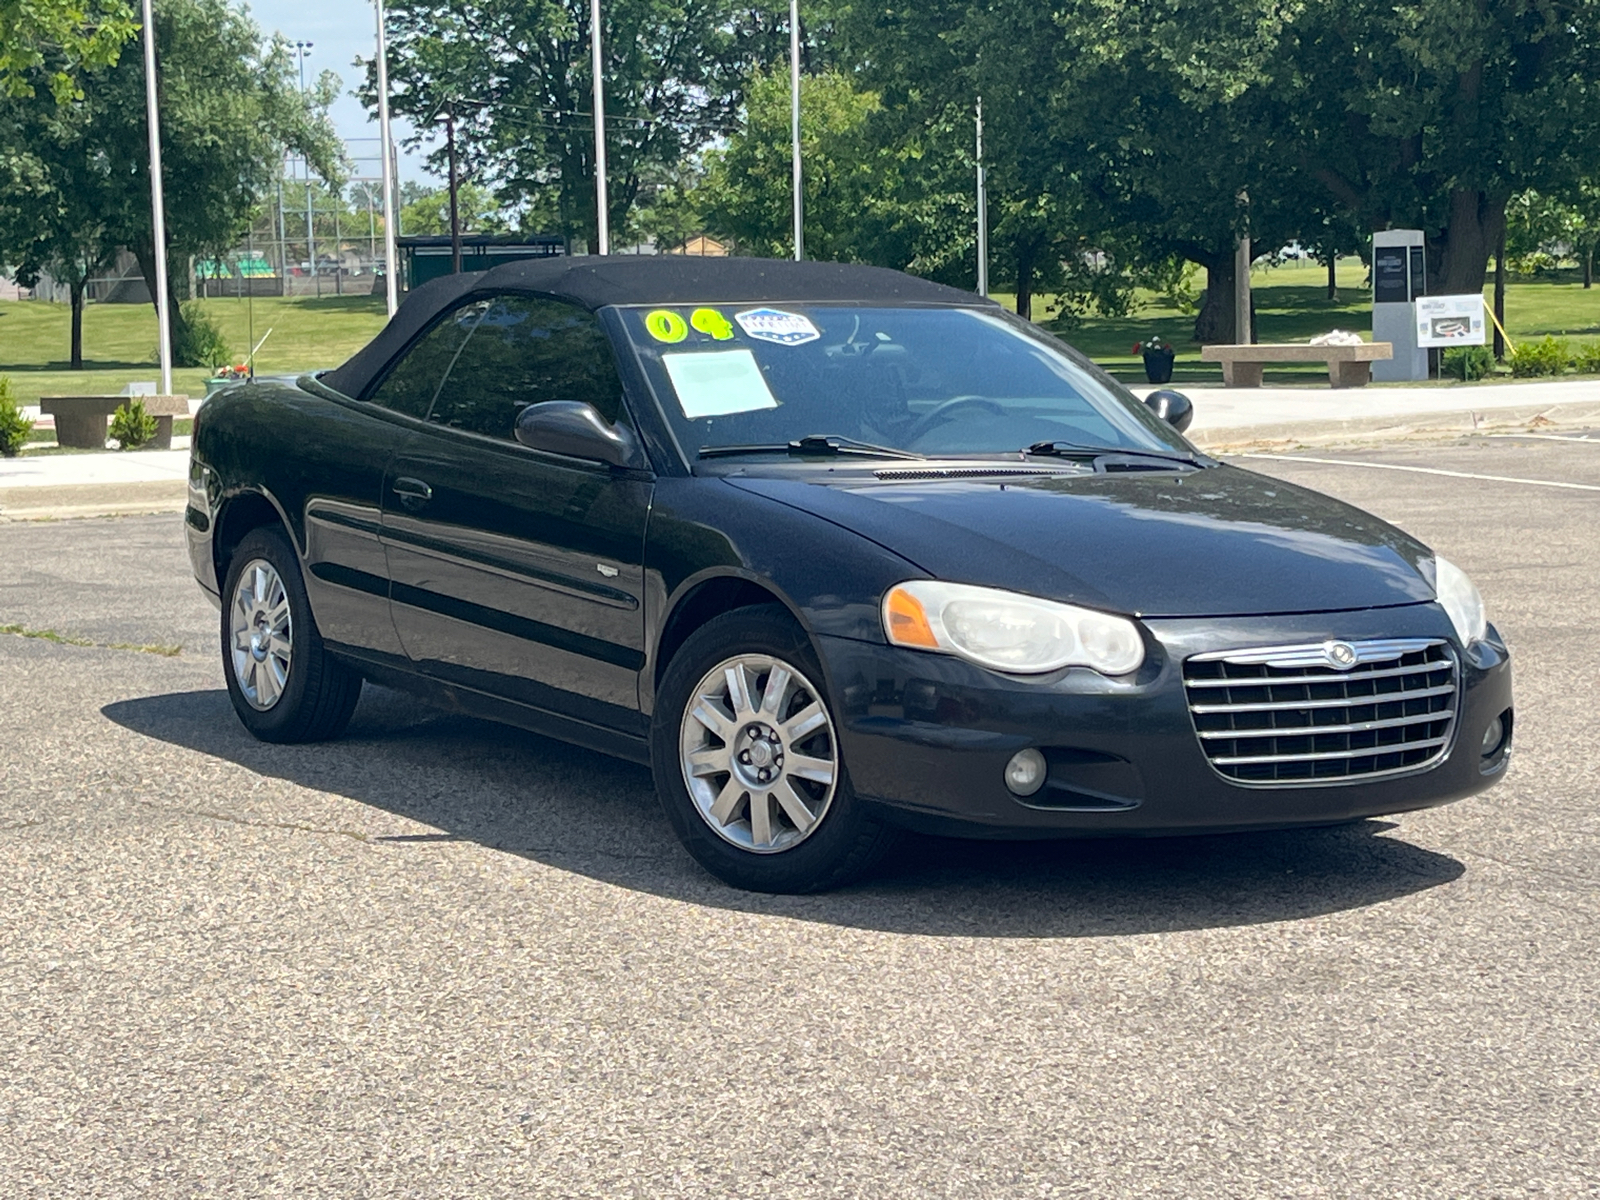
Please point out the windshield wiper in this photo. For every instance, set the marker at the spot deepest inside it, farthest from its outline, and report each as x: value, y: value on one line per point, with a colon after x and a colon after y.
x: 816, y: 443
x: 1076, y: 450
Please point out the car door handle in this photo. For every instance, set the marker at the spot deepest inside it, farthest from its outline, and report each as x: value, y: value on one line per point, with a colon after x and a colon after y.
x: 412, y: 492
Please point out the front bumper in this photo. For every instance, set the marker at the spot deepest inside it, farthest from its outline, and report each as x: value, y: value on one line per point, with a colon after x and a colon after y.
x: 927, y: 736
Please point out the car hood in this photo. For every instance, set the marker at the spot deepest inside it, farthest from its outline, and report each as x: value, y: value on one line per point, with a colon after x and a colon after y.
x: 1216, y: 542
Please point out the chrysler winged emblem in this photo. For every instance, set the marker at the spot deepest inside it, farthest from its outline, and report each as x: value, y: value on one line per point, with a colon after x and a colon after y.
x: 1341, y: 656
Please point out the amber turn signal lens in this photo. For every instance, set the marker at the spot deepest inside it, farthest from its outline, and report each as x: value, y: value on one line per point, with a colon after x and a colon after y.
x: 908, y: 624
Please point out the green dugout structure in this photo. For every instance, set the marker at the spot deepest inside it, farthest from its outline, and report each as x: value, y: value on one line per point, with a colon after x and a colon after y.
x: 427, y: 256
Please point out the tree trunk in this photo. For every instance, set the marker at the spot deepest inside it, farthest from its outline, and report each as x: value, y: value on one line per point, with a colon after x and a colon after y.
x: 1025, y: 284
x: 77, y: 286
x: 1476, y: 221
x: 1333, y: 282
x: 1588, y: 267
x: 1213, y: 325
x: 147, y: 268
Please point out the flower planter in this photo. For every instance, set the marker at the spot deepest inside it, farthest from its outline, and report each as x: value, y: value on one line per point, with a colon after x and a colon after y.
x: 1158, y: 365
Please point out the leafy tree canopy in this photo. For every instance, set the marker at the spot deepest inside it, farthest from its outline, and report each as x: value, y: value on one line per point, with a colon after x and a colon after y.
x: 49, y: 41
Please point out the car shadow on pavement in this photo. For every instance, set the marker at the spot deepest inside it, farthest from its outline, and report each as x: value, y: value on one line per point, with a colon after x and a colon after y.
x: 577, y: 811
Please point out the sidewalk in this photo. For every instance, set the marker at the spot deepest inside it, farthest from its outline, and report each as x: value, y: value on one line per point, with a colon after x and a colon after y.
x: 34, y: 486
x: 65, y: 485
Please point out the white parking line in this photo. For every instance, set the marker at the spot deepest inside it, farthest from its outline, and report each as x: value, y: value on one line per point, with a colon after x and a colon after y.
x: 1345, y: 462
x: 1552, y: 437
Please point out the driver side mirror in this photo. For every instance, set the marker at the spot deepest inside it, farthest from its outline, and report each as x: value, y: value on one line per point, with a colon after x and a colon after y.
x: 1174, y: 408
x: 576, y: 430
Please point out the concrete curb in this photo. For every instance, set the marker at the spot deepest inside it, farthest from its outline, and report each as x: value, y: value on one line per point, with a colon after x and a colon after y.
x: 1401, y: 427
x: 92, y: 500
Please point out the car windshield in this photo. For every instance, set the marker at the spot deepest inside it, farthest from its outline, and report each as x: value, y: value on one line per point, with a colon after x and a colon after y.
x: 925, y: 380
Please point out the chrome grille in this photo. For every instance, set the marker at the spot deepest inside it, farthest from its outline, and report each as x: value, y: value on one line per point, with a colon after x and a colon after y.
x: 1285, y: 715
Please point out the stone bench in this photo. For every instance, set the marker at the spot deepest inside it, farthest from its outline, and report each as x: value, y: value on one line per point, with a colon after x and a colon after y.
x: 1348, y: 366
x: 82, y: 421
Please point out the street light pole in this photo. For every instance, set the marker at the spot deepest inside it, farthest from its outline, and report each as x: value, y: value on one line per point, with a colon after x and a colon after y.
x: 302, y: 50
x: 983, y: 213
x: 602, y: 215
x: 794, y: 127
x: 158, y: 214
x: 386, y: 149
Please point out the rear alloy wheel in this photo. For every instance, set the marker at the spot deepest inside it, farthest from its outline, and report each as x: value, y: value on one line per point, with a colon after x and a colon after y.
x: 748, y: 762
x: 262, y: 634
x: 284, y: 684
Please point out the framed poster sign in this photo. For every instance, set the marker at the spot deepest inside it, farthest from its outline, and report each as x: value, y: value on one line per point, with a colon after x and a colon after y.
x: 1450, y: 320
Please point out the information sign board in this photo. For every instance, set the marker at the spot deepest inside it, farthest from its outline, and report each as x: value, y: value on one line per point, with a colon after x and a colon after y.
x: 1450, y: 320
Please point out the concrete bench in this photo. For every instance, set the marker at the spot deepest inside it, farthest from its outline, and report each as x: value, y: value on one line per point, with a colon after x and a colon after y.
x: 1348, y: 366
x: 82, y: 421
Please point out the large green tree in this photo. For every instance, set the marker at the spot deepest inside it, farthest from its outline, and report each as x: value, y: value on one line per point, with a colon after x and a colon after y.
x: 1434, y: 113
x: 518, y: 75
x: 52, y: 197
x: 230, y: 108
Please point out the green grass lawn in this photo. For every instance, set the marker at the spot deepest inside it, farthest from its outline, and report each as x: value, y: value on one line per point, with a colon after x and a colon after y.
x: 119, y: 341
x: 1292, y: 305
x: 1291, y: 301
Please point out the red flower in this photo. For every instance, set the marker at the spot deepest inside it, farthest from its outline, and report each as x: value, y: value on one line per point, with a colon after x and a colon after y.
x: 1137, y: 346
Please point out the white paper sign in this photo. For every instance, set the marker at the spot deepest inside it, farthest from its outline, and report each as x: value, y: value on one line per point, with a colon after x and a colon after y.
x: 1450, y: 320
x: 770, y: 325
x: 718, y: 384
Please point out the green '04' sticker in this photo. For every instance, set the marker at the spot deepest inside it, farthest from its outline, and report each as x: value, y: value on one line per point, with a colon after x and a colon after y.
x: 665, y: 325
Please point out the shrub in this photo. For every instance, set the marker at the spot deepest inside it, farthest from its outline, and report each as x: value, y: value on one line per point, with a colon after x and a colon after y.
x: 1588, y: 359
x: 1544, y: 357
x: 14, y: 427
x: 1468, y: 362
x: 199, y: 342
x: 132, y: 426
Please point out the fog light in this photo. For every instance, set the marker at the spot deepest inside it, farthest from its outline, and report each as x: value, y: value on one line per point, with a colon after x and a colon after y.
x: 1492, y: 736
x: 1025, y: 772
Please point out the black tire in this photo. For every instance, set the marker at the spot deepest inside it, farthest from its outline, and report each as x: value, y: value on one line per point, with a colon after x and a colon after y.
x: 318, y: 693
x: 841, y: 845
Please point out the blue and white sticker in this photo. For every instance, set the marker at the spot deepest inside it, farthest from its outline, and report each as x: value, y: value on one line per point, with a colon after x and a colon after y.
x: 770, y: 325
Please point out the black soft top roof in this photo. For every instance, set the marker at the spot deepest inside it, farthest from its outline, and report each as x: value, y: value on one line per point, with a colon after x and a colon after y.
x: 595, y: 282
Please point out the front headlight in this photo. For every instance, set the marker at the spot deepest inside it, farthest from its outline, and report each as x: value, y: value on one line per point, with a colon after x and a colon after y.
x: 1008, y: 632
x: 1460, y: 600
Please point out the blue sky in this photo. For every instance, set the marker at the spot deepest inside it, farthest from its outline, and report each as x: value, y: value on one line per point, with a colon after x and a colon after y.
x: 339, y: 30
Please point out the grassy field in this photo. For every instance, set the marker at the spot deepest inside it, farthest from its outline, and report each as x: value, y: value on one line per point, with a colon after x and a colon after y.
x: 1292, y: 305
x: 119, y: 341
x: 1291, y: 302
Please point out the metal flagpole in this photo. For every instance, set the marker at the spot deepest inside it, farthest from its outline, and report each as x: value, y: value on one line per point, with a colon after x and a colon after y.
x: 603, y: 217
x: 794, y: 126
x: 386, y: 148
x: 983, y: 213
x: 158, y: 217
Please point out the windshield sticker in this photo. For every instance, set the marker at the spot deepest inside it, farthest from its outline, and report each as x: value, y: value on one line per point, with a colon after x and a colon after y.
x: 718, y: 384
x: 770, y: 325
x: 711, y: 323
x: 666, y: 326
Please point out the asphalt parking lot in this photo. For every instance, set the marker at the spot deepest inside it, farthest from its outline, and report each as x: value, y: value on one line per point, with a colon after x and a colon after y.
x: 447, y: 959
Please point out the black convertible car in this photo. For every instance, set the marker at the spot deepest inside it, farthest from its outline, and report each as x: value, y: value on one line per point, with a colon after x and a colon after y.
x: 834, y: 550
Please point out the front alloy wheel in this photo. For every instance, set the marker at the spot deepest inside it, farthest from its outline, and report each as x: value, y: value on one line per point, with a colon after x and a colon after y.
x: 745, y: 747
x: 757, y: 753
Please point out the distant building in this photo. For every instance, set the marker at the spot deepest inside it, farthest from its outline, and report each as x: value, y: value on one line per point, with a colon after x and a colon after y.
x: 427, y: 256
x: 701, y: 246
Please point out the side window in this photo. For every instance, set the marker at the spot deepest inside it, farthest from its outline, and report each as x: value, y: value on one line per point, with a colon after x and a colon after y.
x: 525, y: 351
x: 411, y: 383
